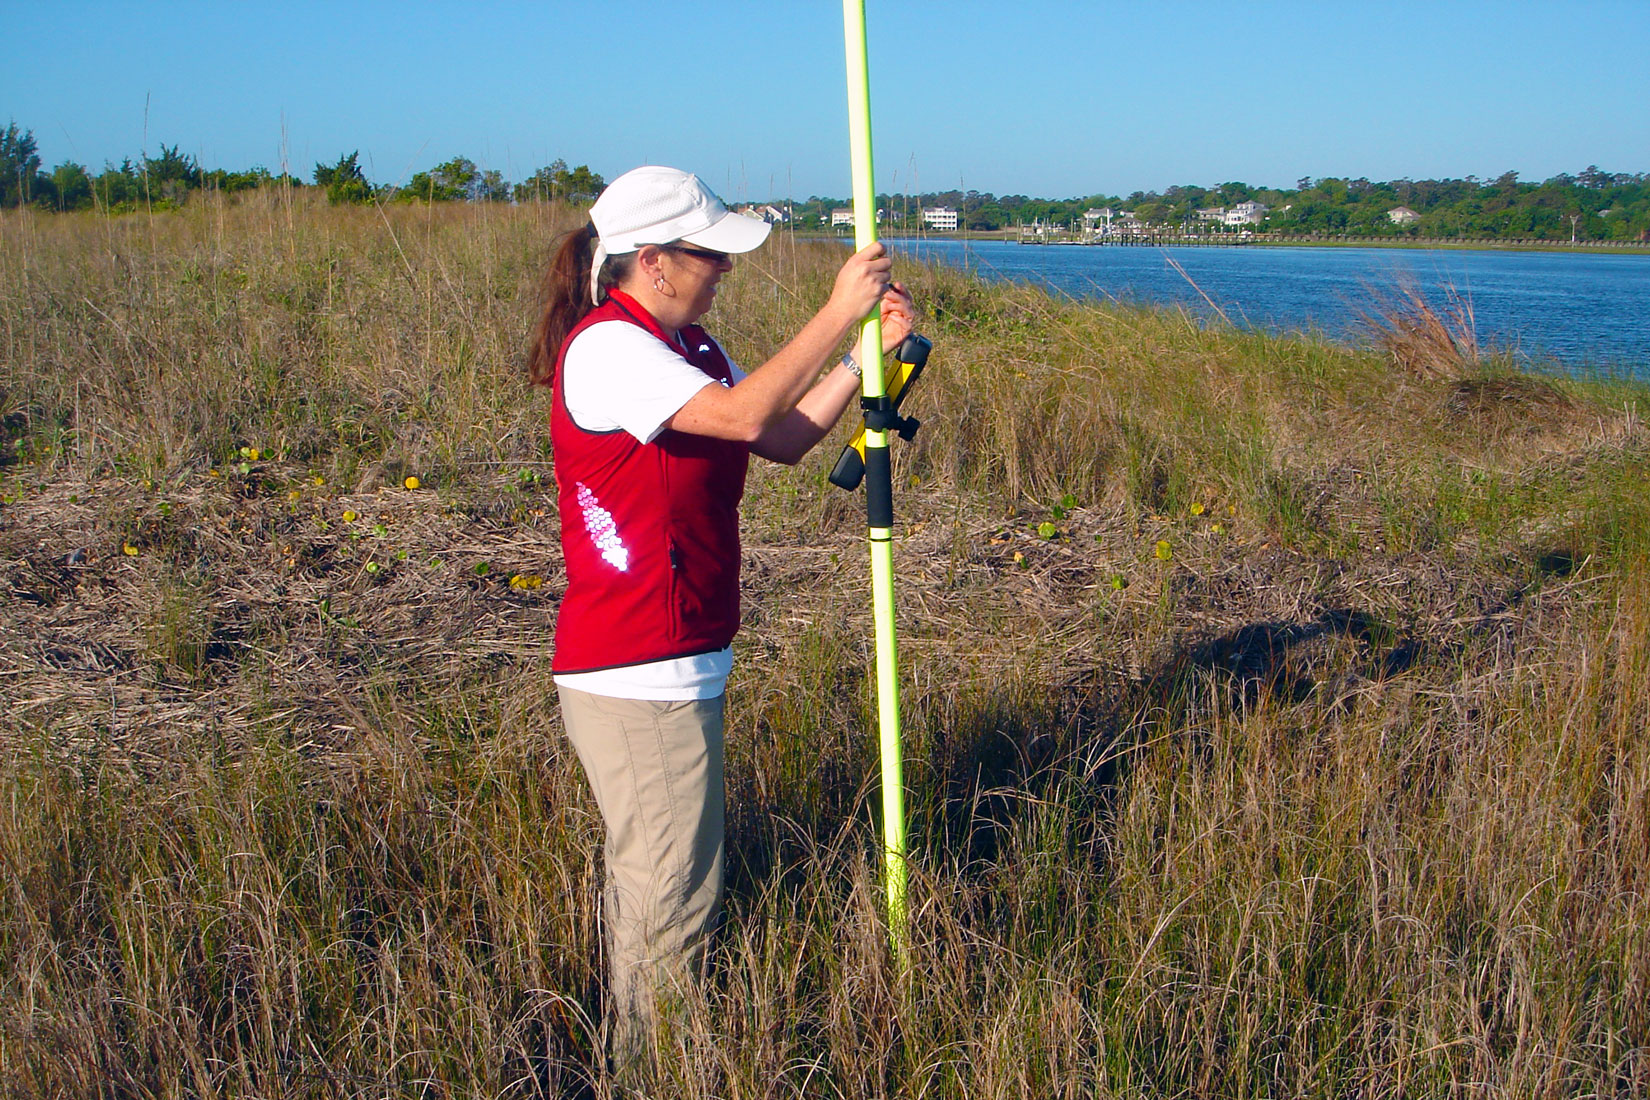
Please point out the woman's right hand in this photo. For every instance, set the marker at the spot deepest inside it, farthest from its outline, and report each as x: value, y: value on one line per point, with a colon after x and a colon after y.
x: 862, y: 282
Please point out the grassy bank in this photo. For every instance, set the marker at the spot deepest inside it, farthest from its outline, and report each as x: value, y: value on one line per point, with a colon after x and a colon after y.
x: 1275, y: 711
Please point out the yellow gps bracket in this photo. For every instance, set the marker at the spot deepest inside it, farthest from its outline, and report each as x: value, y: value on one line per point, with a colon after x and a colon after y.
x: 909, y: 359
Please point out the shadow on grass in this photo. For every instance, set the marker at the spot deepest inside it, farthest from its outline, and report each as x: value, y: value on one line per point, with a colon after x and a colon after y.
x: 974, y: 761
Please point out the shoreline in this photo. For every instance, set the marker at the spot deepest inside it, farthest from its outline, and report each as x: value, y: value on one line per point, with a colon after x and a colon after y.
x: 1515, y: 343
x: 1624, y: 248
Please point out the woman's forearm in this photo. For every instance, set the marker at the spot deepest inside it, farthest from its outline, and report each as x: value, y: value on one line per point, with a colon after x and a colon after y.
x: 799, y: 431
x: 771, y: 393
x: 766, y: 396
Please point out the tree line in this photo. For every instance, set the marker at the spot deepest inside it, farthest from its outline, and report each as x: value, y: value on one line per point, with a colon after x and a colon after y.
x: 1592, y: 205
x: 168, y: 178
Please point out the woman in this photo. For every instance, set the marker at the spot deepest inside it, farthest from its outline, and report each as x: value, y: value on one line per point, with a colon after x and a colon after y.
x: 652, y: 427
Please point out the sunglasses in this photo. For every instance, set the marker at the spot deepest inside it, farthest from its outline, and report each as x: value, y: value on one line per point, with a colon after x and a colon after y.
x: 703, y: 253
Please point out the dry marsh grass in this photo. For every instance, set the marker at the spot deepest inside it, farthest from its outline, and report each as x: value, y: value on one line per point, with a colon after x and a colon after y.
x: 1275, y: 715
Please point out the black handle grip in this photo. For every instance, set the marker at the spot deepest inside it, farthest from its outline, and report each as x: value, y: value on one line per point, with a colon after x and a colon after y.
x: 849, y: 470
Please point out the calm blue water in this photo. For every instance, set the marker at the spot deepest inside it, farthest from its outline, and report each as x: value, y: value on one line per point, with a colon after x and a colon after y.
x: 1583, y: 311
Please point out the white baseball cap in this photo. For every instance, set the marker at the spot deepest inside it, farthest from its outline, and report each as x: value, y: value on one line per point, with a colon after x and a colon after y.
x: 655, y: 205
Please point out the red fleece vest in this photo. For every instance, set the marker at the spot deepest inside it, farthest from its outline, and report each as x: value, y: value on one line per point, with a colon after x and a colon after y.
x: 649, y: 531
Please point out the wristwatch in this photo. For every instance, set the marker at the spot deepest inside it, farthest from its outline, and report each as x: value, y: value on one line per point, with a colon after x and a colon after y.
x: 852, y: 364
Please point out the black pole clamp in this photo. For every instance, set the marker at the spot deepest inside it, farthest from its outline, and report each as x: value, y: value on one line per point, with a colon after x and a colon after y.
x: 882, y: 415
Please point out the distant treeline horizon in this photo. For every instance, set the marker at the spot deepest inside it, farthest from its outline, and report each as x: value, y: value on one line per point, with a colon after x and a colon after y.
x: 1591, y: 205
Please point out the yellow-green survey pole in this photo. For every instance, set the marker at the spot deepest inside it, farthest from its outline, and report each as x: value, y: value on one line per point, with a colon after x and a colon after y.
x: 879, y: 505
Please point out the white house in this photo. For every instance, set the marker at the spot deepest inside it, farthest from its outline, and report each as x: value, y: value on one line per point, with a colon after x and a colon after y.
x: 845, y: 216
x: 1099, y: 219
x: 1212, y: 214
x: 770, y: 214
x: 1246, y: 213
x: 940, y: 217
x: 1402, y: 215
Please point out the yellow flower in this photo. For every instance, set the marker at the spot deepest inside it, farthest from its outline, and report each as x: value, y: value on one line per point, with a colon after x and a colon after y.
x: 294, y: 494
x: 411, y: 483
x: 525, y: 581
x: 1163, y: 551
x: 350, y: 517
x: 1197, y: 508
x: 128, y: 549
x: 318, y: 480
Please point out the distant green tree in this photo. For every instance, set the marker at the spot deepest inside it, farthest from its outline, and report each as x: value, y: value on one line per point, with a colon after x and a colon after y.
x: 541, y: 185
x: 344, y: 182
x: 492, y: 187
x: 1591, y: 177
x: 556, y: 182
x: 583, y: 185
x: 324, y: 173
x: 217, y: 179
x: 119, y: 188
x: 19, y: 165
x: 457, y: 179
x: 419, y: 188
x: 71, y: 187
x: 986, y: 216
x: 1152, y: 213
x: 171, y: 176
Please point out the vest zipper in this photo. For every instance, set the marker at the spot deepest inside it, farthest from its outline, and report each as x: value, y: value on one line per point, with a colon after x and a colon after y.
x: 673, y: 588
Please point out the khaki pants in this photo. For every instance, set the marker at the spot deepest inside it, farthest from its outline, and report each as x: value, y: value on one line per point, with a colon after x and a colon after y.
x: 656, y: 771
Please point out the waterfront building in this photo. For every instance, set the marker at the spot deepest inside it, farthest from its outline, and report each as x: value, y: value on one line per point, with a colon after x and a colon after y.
x: 1099, y: 221
x: 1246, y: 213
x: 845, y: 216
x: 940, y: 217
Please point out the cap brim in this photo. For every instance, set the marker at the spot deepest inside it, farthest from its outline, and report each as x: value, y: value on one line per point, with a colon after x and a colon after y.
x: 731, y: 234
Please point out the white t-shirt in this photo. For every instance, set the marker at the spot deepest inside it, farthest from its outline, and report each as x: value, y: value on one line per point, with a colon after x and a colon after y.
x: 617, y: 376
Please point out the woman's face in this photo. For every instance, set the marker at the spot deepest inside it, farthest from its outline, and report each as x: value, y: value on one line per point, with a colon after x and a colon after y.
x: 694, y: 272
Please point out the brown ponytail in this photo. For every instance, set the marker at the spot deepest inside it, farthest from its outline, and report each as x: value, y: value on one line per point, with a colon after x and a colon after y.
x: 566, y: 297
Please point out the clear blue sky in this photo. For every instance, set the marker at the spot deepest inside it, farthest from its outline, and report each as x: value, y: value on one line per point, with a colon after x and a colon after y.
x: 1048, y: 98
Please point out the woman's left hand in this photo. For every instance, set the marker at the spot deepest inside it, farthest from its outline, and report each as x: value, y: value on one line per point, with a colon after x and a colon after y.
x: 899, y: 317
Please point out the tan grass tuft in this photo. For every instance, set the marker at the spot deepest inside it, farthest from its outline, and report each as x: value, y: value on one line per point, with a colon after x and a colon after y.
x: 1421, y: 338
